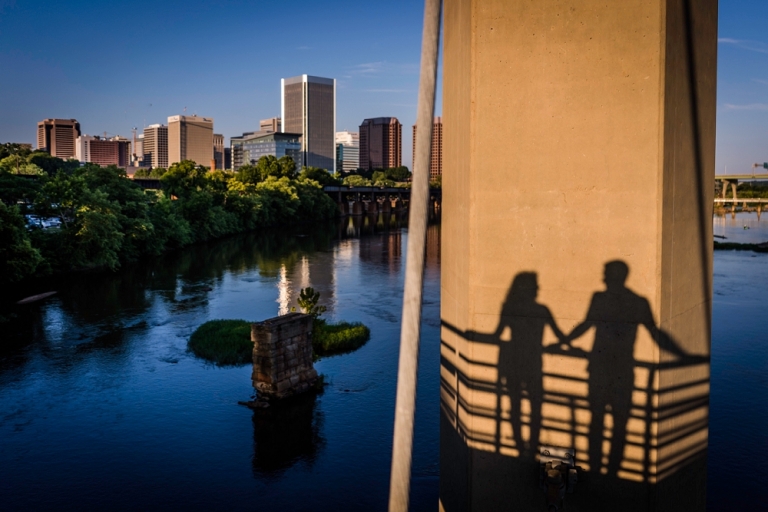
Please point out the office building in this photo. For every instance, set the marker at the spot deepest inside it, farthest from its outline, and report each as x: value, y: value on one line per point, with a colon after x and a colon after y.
x: 348, y: 138
x: 123, y: 151
x: 137, y: 158
x: 259, y: 144
x: 156, y: 146
x: 436, y: 164
x: 218, y: 150
x: 381, y: 143
x: 347, y: 151
x: 347, y: 158
x: 308, y: 107
x: 58, y: 137
x: 272, y: 124
x: 236, y: 150
x: 190, y: 138
x: 100, y: 151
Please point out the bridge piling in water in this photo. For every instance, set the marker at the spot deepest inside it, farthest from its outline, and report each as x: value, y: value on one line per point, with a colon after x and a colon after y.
x: 577, y: 261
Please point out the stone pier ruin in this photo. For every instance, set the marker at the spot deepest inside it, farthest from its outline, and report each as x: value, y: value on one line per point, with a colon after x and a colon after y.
x: 282, y: 355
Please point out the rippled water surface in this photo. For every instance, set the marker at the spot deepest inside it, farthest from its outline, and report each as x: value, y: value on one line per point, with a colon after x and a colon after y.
x: 739, y: 386
x: 102, y: 407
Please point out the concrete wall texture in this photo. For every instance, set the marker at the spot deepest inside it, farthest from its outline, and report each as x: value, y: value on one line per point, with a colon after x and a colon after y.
x: 579, y: 157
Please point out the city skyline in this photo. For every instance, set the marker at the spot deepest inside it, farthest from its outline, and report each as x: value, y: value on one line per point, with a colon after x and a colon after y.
x: 376, y: 75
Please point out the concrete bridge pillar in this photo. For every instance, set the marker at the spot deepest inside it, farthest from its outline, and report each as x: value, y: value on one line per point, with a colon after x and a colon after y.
x: 733, y: 184
x: 576, y: 262
x: 357, y: 208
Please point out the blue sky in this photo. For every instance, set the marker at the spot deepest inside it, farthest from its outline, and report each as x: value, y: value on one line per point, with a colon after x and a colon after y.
x: 116, y: 65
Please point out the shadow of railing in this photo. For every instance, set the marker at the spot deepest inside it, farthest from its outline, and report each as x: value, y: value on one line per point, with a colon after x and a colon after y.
x: 667, y: 426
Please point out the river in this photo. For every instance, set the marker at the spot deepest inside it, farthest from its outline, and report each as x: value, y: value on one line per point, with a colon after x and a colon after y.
x: 102, y: 407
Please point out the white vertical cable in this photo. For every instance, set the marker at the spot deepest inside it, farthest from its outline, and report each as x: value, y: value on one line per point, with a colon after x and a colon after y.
x: 402, y: 448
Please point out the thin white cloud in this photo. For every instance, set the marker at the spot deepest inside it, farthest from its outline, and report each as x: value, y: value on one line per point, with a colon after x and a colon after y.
x: 753, y: 46
x: 368, y: 68
x: 378, y: 68
x: 303, y: 47
x: 758, y: 80
x: 754, y: 107
x: 386, y: 90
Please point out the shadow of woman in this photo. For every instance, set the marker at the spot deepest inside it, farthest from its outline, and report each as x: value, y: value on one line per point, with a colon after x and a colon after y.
x: 520, y: 360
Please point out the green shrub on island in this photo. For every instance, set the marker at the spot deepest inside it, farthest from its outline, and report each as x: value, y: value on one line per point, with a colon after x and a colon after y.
x: 223, y: 342
x: 330, y: 338
x: 336, y: 338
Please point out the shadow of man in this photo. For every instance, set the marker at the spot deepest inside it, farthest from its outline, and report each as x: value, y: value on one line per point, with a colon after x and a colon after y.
x: 616, y: 314
x: 520, y: 359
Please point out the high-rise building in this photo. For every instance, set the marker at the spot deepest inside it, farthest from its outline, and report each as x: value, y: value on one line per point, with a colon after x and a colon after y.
x: 272, y: 124
x: 347, y: 151
x: 381, y: 144
x: 156, y: 146
x: 96, y: 150
x: 308, y: 107
x: 218, y: 150
x: 137, y: 159
x: 58, y: 136
x: 190, y: 138
x: 436, y: 161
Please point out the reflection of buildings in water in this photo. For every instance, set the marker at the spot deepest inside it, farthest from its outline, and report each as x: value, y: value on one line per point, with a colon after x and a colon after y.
x: 283, y: 292
x: 317, y: 272
x: 433, y: 245
x: 286, y: 433
x: 385, y: 248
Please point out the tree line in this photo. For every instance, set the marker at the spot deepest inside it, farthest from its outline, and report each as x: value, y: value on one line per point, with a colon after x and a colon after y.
x: 63, y: 216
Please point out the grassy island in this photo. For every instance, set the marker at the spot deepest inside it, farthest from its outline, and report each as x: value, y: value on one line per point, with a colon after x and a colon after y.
x: 224, y: 342
x: 228, y: 342
x: 337, y: 338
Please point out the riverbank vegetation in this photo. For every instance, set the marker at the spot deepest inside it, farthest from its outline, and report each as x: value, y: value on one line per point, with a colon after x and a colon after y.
x: 733, y: 246
x: 68, y: 217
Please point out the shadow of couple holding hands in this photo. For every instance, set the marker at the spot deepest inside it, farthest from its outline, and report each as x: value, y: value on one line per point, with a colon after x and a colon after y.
x: 615, y: 314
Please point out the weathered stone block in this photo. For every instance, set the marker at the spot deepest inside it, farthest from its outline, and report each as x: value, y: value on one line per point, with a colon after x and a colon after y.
x: 282, y: 355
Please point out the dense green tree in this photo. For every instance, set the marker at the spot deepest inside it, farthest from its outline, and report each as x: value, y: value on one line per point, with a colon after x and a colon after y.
x: 17, y: 189
x: 12, y: 148
x: 355, y: 180
x: 18, y: 259
x: 17, y: 164
x: 321, y: 176
x: 51, y: 164
x: 184, y: 178
x: 399, y: 173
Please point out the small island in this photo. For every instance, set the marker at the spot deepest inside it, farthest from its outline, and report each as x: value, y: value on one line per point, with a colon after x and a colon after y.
x: 228, y: 342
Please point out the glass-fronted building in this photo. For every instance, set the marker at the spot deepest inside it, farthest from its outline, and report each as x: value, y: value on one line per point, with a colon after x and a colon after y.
x: 252, y: 146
